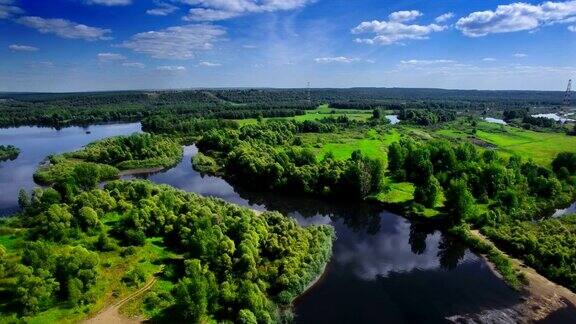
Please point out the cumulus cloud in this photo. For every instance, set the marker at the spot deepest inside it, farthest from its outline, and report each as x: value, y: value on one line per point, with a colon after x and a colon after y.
x: 7, y: 10
x: 489, y: 59
x: 65, y: 28
x: 515, y: 17
x: 396, y: 29
x: 444, y: 17
x: 110, y: 3
x: 213, y: 10
x: 134, y: 65
x: 110, y: 57
x: 520, y: 55
x: 162, y: 9
x: 572, y: 28
x: 427, y: 62
x: 405, y: 16
x: 180, y: 42
x: 209, y: 64
x: 22, y: 48
x: 171, y: 68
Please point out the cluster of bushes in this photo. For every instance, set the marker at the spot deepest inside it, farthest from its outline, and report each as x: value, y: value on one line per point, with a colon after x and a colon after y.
x: 49, y: 275
x: 260, y: 157
x: 8, y: 152
x: 539, y: 121
x: 138, y: 150
x: 426, y: 117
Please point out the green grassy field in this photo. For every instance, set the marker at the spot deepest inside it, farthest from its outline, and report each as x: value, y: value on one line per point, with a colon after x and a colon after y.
x: 538, y: 146
x: 371, y: 142
x: 321, y: 112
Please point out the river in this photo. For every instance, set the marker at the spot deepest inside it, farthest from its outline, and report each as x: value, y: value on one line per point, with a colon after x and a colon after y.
x: 384, y: 268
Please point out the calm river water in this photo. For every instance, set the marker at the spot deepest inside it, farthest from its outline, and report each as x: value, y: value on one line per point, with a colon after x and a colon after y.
x: 384, y: 268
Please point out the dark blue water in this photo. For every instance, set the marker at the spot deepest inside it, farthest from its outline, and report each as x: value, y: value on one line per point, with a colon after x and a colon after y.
x: 384, y: 268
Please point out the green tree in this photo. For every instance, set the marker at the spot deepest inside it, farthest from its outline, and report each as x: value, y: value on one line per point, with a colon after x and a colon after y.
x: 459, y: 202
x: 427, y: 193
x: 23, y: 199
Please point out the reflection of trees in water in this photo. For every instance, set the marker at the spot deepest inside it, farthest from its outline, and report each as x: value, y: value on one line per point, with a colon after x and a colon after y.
x: 450, y: 252
x: 356, y: 216
x: 359, y: 217
x: 418, y: 234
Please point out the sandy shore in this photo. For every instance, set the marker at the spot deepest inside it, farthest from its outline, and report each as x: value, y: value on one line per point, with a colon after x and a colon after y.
x: 543, y: 297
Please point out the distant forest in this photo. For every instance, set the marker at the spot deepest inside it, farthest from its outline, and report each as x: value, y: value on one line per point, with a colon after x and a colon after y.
x: 63, y: 109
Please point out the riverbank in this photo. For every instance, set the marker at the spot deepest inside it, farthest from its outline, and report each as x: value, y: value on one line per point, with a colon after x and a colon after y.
x: 131, y: 172
x: 543, y: 297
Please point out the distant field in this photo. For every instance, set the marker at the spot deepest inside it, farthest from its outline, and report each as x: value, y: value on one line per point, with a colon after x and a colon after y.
x: 372, y: 143
x: 541, y: 147
x: 321, y: 112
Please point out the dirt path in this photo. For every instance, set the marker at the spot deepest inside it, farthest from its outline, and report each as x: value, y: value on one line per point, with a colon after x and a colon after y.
x: 111, y: 314
x: 544, y: 297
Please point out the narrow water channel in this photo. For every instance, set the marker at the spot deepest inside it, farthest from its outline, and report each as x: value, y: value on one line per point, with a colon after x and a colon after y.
x: 384, y: 268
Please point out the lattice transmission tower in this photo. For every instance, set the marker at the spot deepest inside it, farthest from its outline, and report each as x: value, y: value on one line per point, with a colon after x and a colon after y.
x: 568, y: 95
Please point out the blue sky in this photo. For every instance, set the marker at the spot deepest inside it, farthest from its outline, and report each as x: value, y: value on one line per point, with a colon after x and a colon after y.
x: 80, y: 45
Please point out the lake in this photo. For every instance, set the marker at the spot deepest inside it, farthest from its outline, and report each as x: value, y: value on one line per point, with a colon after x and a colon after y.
x: 384, y: 268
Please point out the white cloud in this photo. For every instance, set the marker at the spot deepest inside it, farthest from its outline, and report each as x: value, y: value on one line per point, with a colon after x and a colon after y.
x: 517, y: 16
x: 180, y: 42
x: 7, y: 10
x: 489, y: 59
x: 171, y: 68
x: 110, y: 3
x: 395, y: 30
x: 65, y: 28
x: 134, y: 65
x: 209, y: 64
x: 22, y: 48
x: 572, y: 28
x: 444, y: 17
x: 336, y: 59
x: 426, y: 62
x: 110, y: 57
x: 520, y: 55
x: 404, y: 16
x: 213, y: 10
x: 162, y: 9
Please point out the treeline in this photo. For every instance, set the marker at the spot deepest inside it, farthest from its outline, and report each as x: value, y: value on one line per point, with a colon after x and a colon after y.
x: 8, y: 152
x: 58, y: 110
x: 426, y: 117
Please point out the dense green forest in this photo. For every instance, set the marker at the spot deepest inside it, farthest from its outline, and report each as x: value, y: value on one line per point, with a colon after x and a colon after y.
x: 60, y: 110
x: 73, y: 245
x: 8, y: 152
x: 103, y: 159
